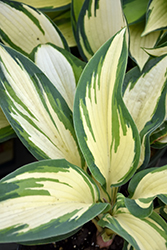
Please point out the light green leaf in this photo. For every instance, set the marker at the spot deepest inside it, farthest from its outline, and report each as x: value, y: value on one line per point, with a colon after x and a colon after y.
x: 98, y: 21
x: 6, y: 131
x: 156, y: 16
x: 106, y: 133
x: 23, y: 27
x: 137, y: 43
x: 160, y: 48
x: 142, y: 234
x: 158, y: 51
x: 144, y: 187
x: 61, y: 67
x: 48, y: 5
x: 145, y: 98
x: 46, y: 199
x: 36, y: 110
x: 63, y: 21
x: 134, y: 10
x: 75, y: 10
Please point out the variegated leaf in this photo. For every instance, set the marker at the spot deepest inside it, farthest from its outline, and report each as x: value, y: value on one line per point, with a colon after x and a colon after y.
x: 161, y: 46
x: 75, y: 10
x: 158, y: 51
x: 143, y: 188
x: 134, y: 10
x: 46, y: 199
x: 23, y: 27
x: 98, y: 21
x: 61, y: 67
x: 163, y: 38
x: 48, y: 5
x: 162, y: 142
x: 137, y: 43
x: 142, y: 234
x: 145, y: 98
x: 6, y: 131
x: 127, y: 246
x: 50, y: 239
x: 106, y: 133
x: 35, y: 109
x: 163, y: 212
x: 158, y: 138
x: 156, y: 16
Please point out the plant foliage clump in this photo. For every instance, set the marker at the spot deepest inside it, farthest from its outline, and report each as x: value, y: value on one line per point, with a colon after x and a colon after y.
x: 90, y: 120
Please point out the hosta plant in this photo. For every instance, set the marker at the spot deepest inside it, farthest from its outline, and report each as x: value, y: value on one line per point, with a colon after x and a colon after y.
x: 94, y: 148
x: 89, y: 126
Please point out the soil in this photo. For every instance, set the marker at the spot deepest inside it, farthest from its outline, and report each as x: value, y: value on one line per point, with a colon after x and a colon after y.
x: 85, y: 239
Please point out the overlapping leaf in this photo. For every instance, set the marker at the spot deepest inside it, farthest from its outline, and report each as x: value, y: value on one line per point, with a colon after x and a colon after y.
x: 158, y: 138
x: 75, y: 10
x: 163, y: 211
x: 23, y: 27
x: 97, y: 22
x: 158, y: 51
x: 142, y: 234
x: 156, y: 16
x: 134, y: 10
x: 35, y: 109
x: 63, y: 21
x: 46, y: 199
x: 50, y: 239
x: 137, y: 43
x: 145, y: 98
x: 48, y: 5
x: 143, y: 188
x: 61, y: 67
x: 107, y: 135
x: 160, y: 48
